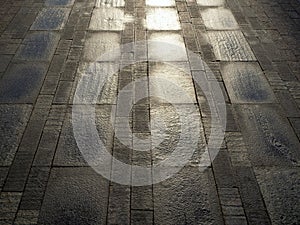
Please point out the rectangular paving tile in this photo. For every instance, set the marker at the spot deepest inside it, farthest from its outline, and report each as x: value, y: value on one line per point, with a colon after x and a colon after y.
x: 172, y: 45
x: 97, y: 44
x: 68, y: 153
x: 219, y: 19
x: 159, y: 3
x: 246, y: 83
x: 13, y: 121
x: 270, y: 138
x: 162, y: 19
x: 59, y: 2
x: 176, y: 201
x: 38, y: 46
x: 110, y: 3
x: 51, y: 19
x: 280, y: 190
x: 211, y: 2
x: 107, y: 19
x: 21, y: 83
x: 75, y: 196
x: 230, y: 46
x: 171, y: 83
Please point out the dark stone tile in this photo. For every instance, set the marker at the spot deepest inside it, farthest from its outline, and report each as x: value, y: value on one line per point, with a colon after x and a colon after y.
x: 13, y: 121
x: 141, y: 217
x: 51, y: 19
x: 75, y: 196
x: 59, y: 2
x: 280, y: 189
x: 38, y: 46
x: 68, y: 153
x: 246, y: 83
x: 189, y: 197
x: 3, y: 174
x: 21, y: 83
x: 270, y: 138
x: 4, y: 61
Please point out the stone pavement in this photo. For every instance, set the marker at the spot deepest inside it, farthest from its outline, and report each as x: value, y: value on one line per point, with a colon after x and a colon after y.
x: 251, y: 48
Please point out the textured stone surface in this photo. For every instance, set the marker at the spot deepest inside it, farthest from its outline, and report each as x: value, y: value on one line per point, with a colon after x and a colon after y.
x: 110, y: 3
x: 166, y: 46
x: 75, y: 196
x: 59, y: 2
x: 210, y: 2
x: 39, y: 46
x: 21, y: 83
x: 171, y: 83
x: 230, y: 46
x: 270, y: 138
x: 107, y: 19
x: 280, y: 189
x: 162, y: 19
x: 51, y: 19
x: 12, y: 125
x: 246, y: 83
x: 99, y: 43
x: 176, y: 201
x: 68, y: 154
x: 219, y: 19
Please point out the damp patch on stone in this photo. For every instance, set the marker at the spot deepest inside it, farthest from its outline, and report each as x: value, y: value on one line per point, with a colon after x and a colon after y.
x: 166, y: 46
x: 162, y: 19
x: 22, y: 83
x: 230, y: 46
x: 210, y: 2
x: 13, y: 121
x: 98, y: 44
x: 110, y: 3
x: 51, y: 19
x: 39, y: 46
x: 159, y: 3
x: 111, y: 19
x: 219, y: 19
x: 246, y: 83
x: 270, y: 138
x: 59, y: 2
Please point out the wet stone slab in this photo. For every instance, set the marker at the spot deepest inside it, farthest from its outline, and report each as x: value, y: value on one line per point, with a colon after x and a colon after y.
x: 13, y: 121
x: 230, y: 46
x: 270, y: 137
x: 75, y: 196
x: 59, y: 2
x: 162, y: 19
x: 280, y: 189
x: 38, y: 46
x: 166, y: 46
x: 219, y: 19
x: 176, y: 201
x: 246, y: 83
x: 107, y: 19
x: 101, y: 43
x: 159, y: 3
x: 110, y: 3
x: 51, y: 19
x: 21, y: 83
x: 210, y: 2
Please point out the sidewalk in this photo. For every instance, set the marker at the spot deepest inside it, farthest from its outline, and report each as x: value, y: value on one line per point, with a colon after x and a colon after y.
x: 150, y: 83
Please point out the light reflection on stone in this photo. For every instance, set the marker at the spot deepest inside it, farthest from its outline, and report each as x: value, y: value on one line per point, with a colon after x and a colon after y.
x: 162, y: 19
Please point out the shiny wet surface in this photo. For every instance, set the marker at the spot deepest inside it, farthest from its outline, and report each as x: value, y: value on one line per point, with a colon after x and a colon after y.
x: 51, y: 56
